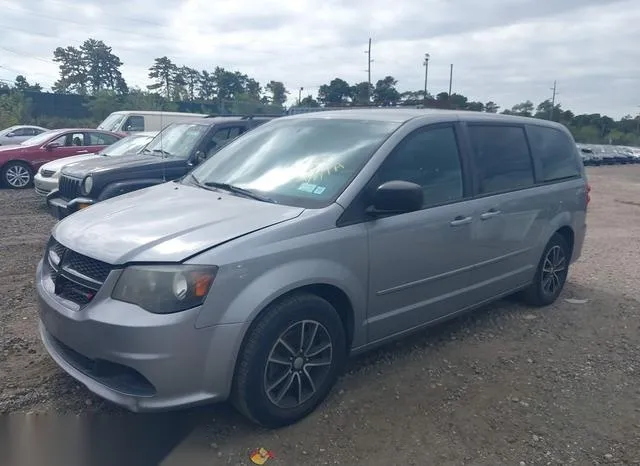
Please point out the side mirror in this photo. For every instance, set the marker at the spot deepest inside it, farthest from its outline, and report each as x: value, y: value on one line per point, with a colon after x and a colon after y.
x: 396, y: 197
x: 52, y: 145
x: 10, y: 135
x: 199, y: 157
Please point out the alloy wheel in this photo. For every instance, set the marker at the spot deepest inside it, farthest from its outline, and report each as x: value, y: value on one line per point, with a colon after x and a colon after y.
x: 18, y: 176
x: 298, y: 364
x: 554, y: 270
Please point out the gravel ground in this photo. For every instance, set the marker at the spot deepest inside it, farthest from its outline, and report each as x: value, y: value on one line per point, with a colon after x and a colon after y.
x: 505, y: 385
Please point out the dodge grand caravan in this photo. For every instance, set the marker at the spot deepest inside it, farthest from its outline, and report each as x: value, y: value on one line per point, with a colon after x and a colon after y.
x: 309, y: 239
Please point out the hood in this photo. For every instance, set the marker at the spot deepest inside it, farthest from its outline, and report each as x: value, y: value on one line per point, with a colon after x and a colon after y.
x: 165, y: 223
x: 56, y: 165
x: 14, y: 149
x: 125, y: 162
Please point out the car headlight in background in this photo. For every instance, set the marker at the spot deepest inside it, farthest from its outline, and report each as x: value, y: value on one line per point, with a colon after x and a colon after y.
x: 164, y: 289
x: 87, y: 185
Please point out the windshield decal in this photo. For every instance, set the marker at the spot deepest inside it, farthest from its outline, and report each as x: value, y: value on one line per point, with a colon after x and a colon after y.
x: 319, y: 190
x: 307, y: 187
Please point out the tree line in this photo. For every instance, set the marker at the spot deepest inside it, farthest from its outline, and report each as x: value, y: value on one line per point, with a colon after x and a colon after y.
x: 93, y: 71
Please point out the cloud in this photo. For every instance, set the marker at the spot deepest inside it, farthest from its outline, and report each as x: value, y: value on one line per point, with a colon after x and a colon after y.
x: 502, y: 51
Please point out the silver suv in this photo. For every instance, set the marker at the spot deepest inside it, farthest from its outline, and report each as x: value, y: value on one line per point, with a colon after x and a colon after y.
x: 309, y: 239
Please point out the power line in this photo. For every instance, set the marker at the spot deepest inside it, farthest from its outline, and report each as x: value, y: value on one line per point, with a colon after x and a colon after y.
x: 28, y: 56
x: 81, y: 23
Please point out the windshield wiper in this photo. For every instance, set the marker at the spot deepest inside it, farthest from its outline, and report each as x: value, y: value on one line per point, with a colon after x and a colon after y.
x: 237, y: 190
x: 162, y: 152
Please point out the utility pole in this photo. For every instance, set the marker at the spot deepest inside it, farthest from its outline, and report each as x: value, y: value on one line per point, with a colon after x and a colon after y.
x: 300, y: 95
x: 369, y: 61
x: 553, y: 101
x: 426, y: 75
x: 450, y: 78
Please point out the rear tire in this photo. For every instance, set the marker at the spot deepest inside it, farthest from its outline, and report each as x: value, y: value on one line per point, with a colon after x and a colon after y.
x: 551, y: 274
x: 290, y: 360
x: 17, y: 175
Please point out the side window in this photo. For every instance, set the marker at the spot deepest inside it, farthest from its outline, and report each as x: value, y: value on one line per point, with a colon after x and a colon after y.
x: 134, y: 123
x: 20, y: 132
x: 235, y: 132
x: 101, y: 139
x: 37, y: 131
x: 70, y: 139
x: 219, y: 138
x: 555, y: 151
x: 502, y: 158
x: 431, y: 159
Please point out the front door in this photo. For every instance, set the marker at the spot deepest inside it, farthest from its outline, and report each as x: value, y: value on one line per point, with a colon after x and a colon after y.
x: 420, y: 262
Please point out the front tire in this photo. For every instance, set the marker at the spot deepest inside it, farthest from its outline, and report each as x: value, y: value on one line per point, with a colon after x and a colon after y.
x: 551, y: 274
x: 291, y: 358
x: 17, y: 175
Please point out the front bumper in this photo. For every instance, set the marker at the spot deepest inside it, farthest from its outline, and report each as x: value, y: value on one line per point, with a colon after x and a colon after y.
x: 138, y: 360
x: 60, y: 207
x: 44, y: 186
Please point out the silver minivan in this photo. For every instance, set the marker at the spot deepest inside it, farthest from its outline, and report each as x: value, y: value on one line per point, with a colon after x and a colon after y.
x: 309, y: 239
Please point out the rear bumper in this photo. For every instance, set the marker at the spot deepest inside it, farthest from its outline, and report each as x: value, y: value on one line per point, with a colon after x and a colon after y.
x: 60, y: 207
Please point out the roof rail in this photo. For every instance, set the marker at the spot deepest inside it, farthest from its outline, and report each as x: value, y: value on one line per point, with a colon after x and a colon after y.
x: 247, y: 117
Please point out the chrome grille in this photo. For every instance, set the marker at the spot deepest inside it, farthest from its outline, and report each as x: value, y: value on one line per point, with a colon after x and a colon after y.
x: 77, y: 278
x: 47, y: 173
x: 69, y: 187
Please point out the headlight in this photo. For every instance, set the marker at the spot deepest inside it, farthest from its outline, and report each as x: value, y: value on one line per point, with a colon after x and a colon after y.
x: 87, y: 185
x: 163, y: 289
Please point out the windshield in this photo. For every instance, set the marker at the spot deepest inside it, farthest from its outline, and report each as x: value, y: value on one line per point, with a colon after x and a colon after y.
x: 40, y: 138
x: 128, y: 145
x: 112, y: 122
x: 7, y: 130
x: 303, y: 162
x: 177, y: 140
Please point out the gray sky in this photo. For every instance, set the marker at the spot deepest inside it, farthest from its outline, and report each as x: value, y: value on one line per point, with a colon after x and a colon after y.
x: 507, y: 51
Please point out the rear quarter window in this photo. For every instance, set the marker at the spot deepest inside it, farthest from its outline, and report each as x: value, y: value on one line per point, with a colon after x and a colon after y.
x: 555, y: 151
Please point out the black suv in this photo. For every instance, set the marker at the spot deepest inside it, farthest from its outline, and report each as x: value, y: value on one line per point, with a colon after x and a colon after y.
x: 170, y: 155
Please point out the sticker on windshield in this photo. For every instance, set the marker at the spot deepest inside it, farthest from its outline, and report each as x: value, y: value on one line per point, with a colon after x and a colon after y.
x: 319, y: 190
x: 307, y: 187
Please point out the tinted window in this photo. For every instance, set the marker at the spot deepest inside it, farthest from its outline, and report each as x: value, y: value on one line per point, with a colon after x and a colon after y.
x: 502, y: 158
x: 101, y: 139
x: 556, y: 152
x: 219, y: 138
x: 431, y: 159
x: 134, y: 123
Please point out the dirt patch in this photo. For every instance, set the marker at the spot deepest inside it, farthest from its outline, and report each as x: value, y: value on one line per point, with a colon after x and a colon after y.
x: 505, y: 385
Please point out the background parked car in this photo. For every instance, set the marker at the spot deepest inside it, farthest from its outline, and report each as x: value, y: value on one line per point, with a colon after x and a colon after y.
x: 46, y: 180
x: 19, y: 163
x: 127, y: 121
x: 16, y: 134
x: 172, y: 153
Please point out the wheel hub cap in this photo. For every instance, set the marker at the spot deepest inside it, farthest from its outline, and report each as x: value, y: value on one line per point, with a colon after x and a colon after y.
x: 297, y: 363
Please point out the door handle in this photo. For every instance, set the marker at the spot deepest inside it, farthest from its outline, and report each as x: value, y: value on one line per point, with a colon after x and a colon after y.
x: 460, y: 220
x: 490, y: 214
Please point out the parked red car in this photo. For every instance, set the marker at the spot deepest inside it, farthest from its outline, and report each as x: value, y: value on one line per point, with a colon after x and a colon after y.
x: 19, y: 163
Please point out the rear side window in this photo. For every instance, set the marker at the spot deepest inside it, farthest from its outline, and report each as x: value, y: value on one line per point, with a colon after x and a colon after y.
x: 502, y: 158
x: 101, y: 139
x: 555, y: 151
